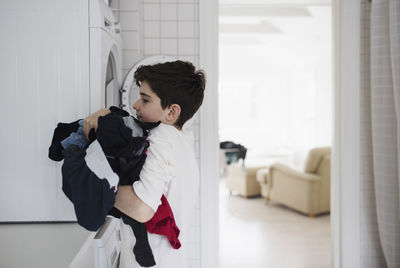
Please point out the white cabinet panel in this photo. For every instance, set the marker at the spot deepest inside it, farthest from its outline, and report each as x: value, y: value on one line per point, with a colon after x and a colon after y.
x: 44, y: 74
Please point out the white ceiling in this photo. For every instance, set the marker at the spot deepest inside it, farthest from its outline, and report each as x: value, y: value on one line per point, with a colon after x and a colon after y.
x: 278, y: 2
x: 251, y: 44
x: 262, y: 10
x: 269, y: 19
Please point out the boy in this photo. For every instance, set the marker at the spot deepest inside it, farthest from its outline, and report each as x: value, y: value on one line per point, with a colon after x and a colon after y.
x: 170, y: 92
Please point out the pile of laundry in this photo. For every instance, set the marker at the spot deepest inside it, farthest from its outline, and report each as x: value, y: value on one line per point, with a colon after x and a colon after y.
x: 94, y: 167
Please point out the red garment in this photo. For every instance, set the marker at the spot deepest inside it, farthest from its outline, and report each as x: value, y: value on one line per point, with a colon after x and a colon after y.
x: 163, y: 223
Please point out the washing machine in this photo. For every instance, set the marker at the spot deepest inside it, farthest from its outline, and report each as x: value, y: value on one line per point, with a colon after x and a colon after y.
x: 105, y: 56
x: 107, y: 86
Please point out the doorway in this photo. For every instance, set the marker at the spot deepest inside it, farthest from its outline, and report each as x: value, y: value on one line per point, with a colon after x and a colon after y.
x: 275, y: 98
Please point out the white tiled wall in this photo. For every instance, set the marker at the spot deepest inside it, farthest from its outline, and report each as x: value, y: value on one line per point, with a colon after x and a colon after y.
x: 167, y: 27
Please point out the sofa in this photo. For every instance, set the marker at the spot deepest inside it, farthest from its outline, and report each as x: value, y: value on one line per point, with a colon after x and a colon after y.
x: 306, y: 191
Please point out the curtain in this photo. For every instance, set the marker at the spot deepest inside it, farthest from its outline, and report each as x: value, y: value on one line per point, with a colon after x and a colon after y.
x: 380, y: 133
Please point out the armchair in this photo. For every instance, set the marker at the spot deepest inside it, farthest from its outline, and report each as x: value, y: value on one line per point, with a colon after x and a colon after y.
x: 308, y: 191
x: 242, y: 179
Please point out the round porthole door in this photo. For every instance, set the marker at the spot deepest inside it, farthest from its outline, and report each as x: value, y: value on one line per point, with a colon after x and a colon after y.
x: 129, y: 90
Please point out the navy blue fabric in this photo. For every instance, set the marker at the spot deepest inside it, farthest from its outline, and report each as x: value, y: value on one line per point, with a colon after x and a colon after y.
x: 91, y: 196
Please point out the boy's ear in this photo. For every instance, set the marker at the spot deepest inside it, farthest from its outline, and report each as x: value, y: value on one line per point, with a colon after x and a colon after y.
x: 174, y: 112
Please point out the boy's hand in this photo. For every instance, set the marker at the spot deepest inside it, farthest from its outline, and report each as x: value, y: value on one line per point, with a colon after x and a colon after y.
x: 91, y: 121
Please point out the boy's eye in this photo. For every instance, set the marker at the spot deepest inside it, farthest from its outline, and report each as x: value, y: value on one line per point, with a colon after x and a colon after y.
x: 144, y: 100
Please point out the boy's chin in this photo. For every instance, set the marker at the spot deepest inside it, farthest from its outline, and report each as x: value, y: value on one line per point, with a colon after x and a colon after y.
x: 140, y: 119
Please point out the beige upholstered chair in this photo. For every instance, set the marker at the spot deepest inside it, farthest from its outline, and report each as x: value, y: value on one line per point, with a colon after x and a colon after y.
x: 242, y: 180
x: 308, y: 191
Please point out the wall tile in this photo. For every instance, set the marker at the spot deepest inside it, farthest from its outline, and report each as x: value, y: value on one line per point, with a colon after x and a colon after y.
x: 129, y: 4
x: 116, y: 15
x: 196, y: 12
x: 152, y: 28
x: 169, y: 46
x: 169, y: 12
x: 152, y: 46
x: 130, y: 57
x: 130, y: 40
x: 151, y: 12
x: 169, y: 29
x: 186, y: 29
x: 196, y: 29
x: 187, y: 46
x: 186, y: 11
x: 129, y: 20
x: 115, y: 4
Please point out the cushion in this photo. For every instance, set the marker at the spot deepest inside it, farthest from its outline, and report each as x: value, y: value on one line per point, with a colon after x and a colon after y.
x: 314, y: 158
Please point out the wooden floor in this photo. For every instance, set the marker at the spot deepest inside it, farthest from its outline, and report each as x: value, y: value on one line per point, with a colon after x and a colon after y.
x: 255, y: 235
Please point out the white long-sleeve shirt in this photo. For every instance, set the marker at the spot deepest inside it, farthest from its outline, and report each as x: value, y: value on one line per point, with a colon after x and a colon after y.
x: 170, y: 169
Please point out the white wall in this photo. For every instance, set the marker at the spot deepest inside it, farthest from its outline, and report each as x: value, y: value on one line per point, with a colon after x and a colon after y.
x: 345, y: 193
x: 171, y: 28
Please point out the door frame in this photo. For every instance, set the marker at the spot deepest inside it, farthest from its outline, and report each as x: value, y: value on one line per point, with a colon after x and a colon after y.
x: 345, y: 191
x: 345, y: 182
x: 209, y: 141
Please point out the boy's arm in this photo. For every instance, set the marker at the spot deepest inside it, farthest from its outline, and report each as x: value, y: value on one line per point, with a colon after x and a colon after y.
x: 92, y: 120
x: 129, y: 203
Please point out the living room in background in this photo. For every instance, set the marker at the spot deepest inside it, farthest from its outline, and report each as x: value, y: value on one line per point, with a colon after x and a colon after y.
x: 275, y: 97
x: 275, y: 89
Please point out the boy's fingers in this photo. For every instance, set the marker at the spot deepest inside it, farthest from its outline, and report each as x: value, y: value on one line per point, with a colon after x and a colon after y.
x: 91, y: 121
x: 86, y: 128
x: 88, y: 125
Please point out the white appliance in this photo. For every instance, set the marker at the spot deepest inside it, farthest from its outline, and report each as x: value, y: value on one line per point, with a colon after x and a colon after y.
x: 101, y: 249
x: 106, y: 245
x: 105, y: 57
x: 59, y: 61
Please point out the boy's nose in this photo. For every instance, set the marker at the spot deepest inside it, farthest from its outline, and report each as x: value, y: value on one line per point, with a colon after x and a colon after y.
x: 135, y: 105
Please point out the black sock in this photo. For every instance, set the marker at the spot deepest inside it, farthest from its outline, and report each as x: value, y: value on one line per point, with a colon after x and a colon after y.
x: 116, y: 213
x: 62, y: 131
x: 141, y: 250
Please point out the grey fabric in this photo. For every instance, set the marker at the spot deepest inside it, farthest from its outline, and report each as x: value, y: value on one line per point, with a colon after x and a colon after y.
x: 136, y: 129
x: 380, y: 134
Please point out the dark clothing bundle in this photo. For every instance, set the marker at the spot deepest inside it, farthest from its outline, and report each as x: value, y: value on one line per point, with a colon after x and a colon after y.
x: 92, y: 194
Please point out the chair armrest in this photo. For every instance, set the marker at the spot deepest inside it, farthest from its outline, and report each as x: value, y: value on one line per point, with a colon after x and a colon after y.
x: 262, y: 175
x: 295, y: 174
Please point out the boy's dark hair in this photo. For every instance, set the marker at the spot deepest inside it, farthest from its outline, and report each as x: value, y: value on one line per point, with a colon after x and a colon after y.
x: 175, y: 82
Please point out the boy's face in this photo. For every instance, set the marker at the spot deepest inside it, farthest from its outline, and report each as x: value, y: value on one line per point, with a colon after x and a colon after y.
x: 148, y: 106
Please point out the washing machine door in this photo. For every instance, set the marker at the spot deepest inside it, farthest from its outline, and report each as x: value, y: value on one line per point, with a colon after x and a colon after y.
x: 111, y: 82
x: 129, y: 90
